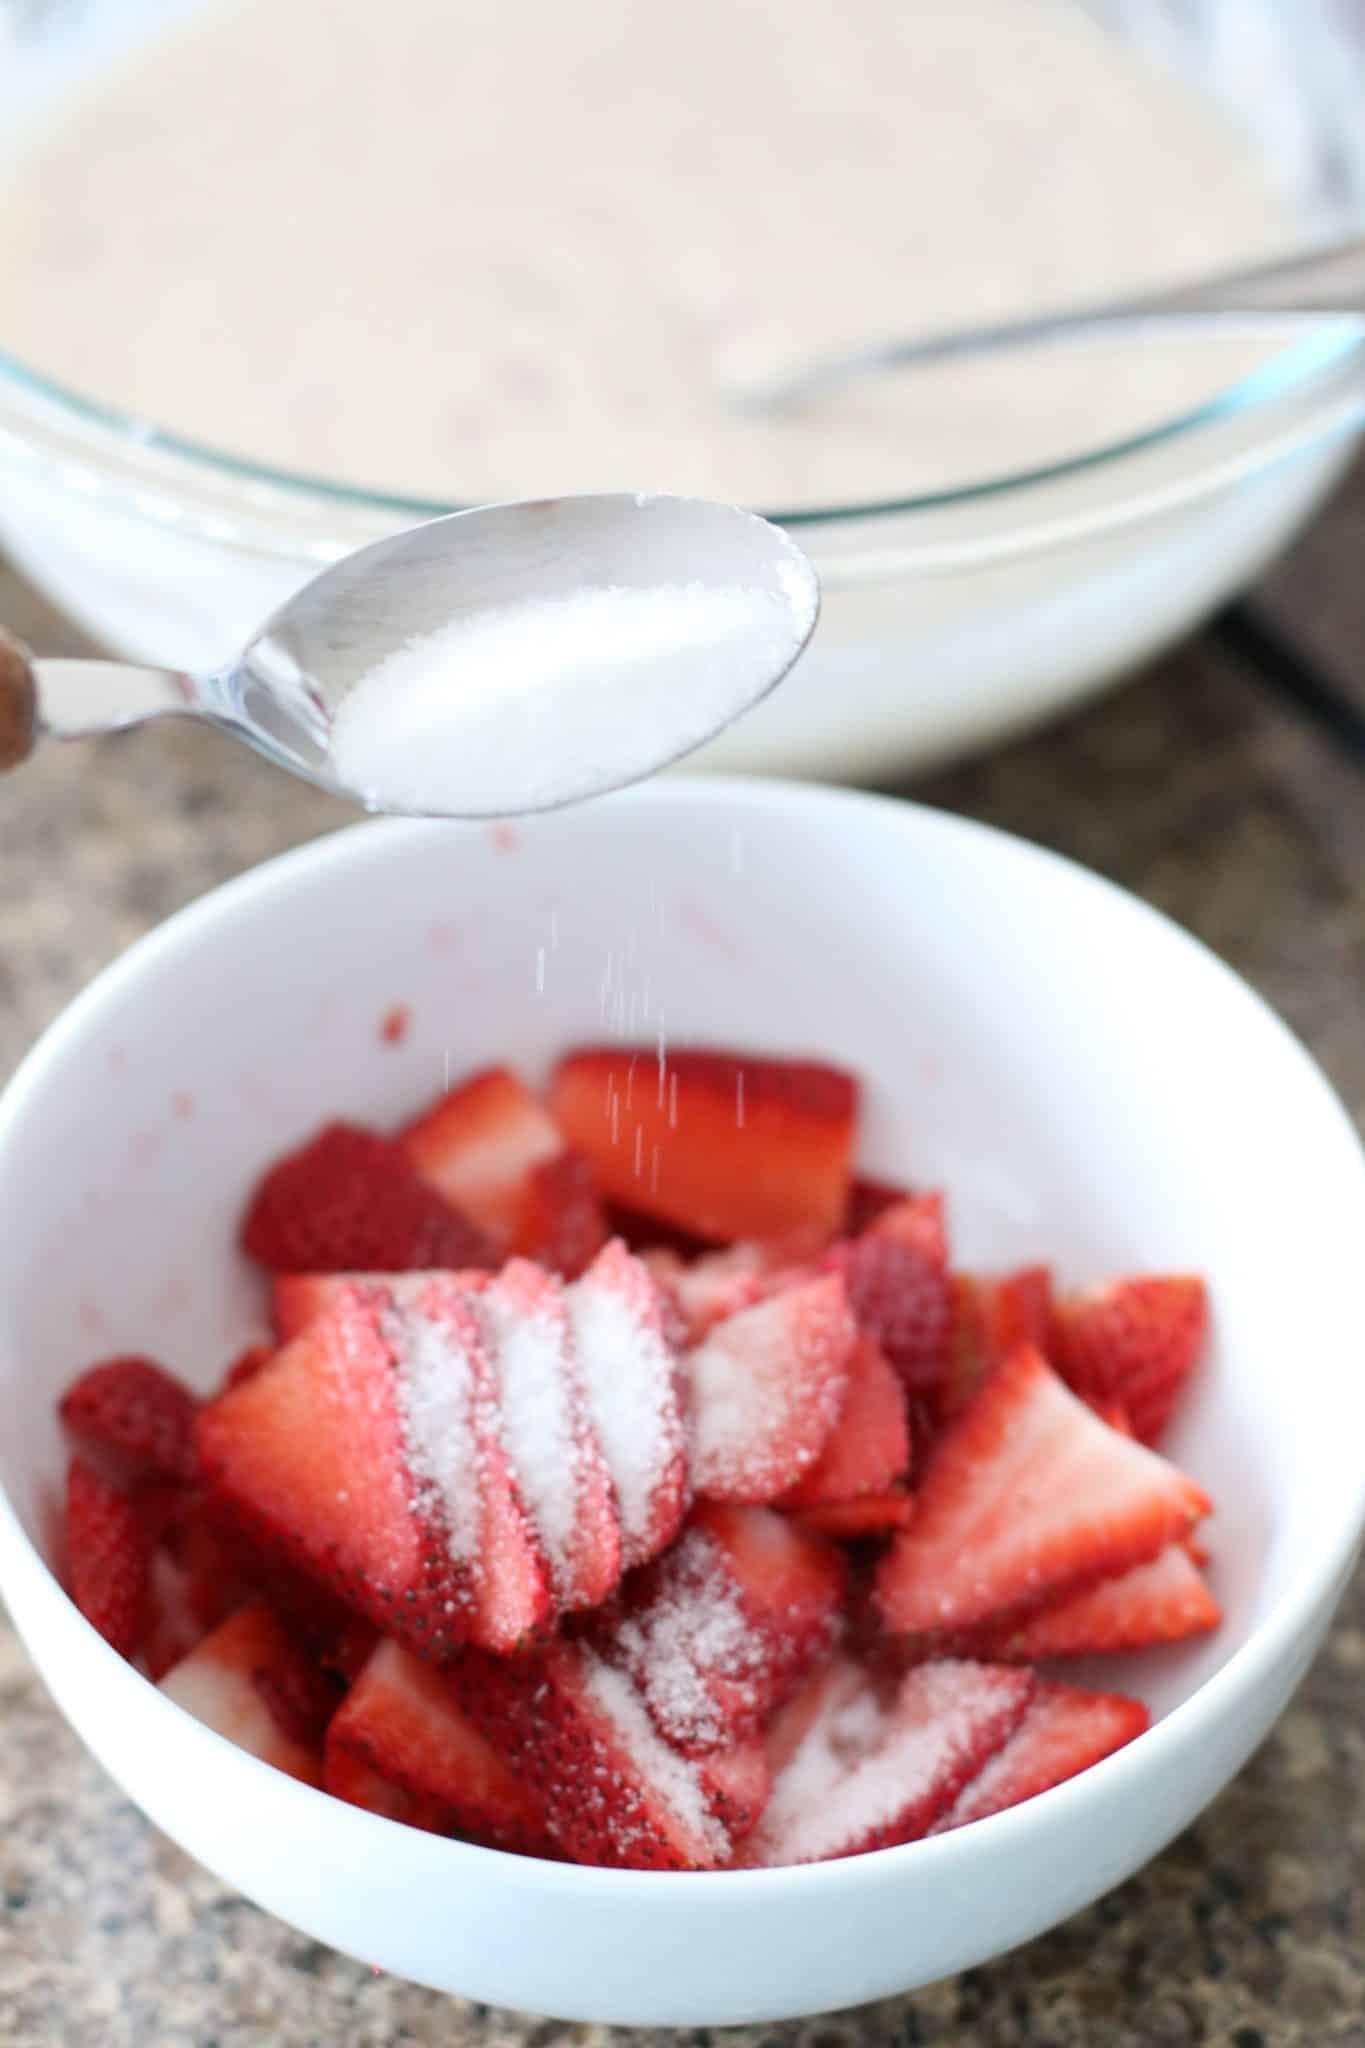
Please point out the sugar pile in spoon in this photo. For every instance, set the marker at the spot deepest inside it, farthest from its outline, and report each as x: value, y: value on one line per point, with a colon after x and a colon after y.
x: 526, y: 706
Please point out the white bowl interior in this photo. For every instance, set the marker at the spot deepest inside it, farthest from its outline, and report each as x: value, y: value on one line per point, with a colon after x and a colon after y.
x: 1088, y: 1084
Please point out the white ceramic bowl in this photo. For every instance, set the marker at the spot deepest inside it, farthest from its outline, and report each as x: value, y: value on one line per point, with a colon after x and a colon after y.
x: 1086, y: 1080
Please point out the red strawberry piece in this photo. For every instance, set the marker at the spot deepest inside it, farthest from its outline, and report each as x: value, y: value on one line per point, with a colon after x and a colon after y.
x: 134, y: 1408
x: 171, y: 1628
x: 250, y: 1360
x: 867, y: 1200
x: 479, y: 1147
x: 562, y: 1222
x: 346, y: 1649
x: 869, y: 1448
x: 347, y: 1777
x: 642, y: 1233
x: 1063, y: 1732
x: 709, y: 1289
x: 1027, y: 1498
x: 1134, y: 1341
x: 578, y: 1734
x: 108, y: 1557
x: 725, y: 1144
x: 920, y: 1222
x: 350, y: 1201
x: 902, y: 1300
x: 463, y: 1457
x: 296, y: 1298
x: 767, y: 1386
x: 992, y: 1317
x: 557, y: 1462
x: 862, y: 1520
x: 313, y: 1457
x: 859, y: 1763
x: 401, y: 1719
x: 1160, y: 1602
x: 631, y: 1384
x: 248, y: 1682
x: 726, y: 1624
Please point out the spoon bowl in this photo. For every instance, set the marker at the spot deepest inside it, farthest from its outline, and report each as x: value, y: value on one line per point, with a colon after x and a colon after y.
x: 284, y: 692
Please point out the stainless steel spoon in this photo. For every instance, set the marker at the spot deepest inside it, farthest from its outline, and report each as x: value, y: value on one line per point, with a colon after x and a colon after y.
x: 1327, y: 283
x: 282, y: 693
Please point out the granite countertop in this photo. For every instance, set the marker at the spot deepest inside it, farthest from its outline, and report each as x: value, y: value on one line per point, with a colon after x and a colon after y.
x: 1208, y: 789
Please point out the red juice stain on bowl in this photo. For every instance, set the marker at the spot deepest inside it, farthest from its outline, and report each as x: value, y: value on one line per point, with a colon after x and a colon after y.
x: 394, y: 1024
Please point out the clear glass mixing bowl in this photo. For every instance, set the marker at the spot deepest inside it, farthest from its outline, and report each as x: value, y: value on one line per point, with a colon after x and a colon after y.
x: 948, y: 620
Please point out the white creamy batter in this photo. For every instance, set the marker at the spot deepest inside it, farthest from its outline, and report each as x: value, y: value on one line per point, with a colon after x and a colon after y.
x: 484, y: 248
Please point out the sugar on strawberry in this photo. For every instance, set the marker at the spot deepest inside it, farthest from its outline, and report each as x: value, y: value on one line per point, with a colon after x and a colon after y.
x: 738, y: 1551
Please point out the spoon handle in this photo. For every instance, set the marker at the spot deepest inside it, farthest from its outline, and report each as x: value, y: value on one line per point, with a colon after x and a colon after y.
x: 71, y: 700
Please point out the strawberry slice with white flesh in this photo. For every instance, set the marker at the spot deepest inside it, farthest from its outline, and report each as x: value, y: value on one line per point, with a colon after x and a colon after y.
x: 368, y: 1451
x: 400, y: 1718
x: 578, y: 1733
x: 479, y: 1146
x: 1063, y: 1731
x: 557, y: 1462
x: 767, y: 1386
x: 447, y: 1370
x: 869, y: 1448
x: 631, y: 1383
x: 297, y: 1298
x: 346, y: 1776
x: 240, y: 1680
x: 1027, y: 1498
x: 1160, y: 1602
x: 860, y: 1764
x: 727, y: 1624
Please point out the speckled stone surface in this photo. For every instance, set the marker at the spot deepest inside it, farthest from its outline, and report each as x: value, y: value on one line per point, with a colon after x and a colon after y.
x: 1191, y: 787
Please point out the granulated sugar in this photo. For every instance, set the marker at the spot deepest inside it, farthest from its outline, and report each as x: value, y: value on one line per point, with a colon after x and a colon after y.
x: 628, y: 1370
x: 529, y: 1342
x: 660, y: 1768
x: 522, y: 707
x: 436, y: 1393
x: 693, y: 1633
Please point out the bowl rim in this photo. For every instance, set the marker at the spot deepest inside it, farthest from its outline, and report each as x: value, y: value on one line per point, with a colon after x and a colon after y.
x: 1311, y: 348
x: 1317, y: 1578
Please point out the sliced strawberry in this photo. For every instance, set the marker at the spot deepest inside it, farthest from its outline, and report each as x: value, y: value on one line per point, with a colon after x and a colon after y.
x: 767, y: 1386
x: 246, y: 1681
x: 1160, y: 1602
x: 869, y: 1447
x: 920, y: 1221
x: 346, y: 1777
x: 727, y: 1624
x: 902, y: 1300
x: 578, y: 1734
x: 562, y: 1222
x: 479, y: 1146
x: 136, y: 1409
x: 313, y: 1455
x: 631, y: 1384
x: 860, y: 1764
x: 862, y: 1520
x: 350, y: 1201
x: 867, y: 1200
x: 108, y: 1557
x: 727, y: 1145
x: 557, y: 1462
x: 443, y: 1337
x: 295, y: 1298
x: 172, y: 1627
x: 401, y: 1719
x: 251, y: 1359
x: 1134, y: 1341
x: 1026, y: 1498
x: 991, y: 1318
x: 712, y: 1287
x: 1063, y: 1732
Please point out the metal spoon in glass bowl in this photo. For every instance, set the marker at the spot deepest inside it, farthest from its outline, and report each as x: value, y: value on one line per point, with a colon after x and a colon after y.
x: 507, y: 659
